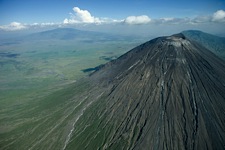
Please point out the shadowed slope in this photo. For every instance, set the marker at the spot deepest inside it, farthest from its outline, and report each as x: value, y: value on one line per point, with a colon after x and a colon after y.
x: 214, y: 43
x: 168, y: 93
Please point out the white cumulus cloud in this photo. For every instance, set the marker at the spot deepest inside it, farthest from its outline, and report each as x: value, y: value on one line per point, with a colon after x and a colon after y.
x: 137, y: 19
x: 81, y: 16
x: 219, y: 16
x: 13, y: 26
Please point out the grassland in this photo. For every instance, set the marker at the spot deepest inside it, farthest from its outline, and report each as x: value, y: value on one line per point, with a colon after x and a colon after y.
x: 39, y: 88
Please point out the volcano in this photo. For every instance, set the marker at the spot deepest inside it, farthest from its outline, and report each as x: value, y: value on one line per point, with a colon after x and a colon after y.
x: 168, y: 93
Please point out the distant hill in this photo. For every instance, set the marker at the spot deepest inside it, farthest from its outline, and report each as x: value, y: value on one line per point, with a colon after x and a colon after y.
x: 214, y: 43
x: 71, y: 34
x: 65, y: 34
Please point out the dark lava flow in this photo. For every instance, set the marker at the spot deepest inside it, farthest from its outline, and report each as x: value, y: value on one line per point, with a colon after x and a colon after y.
x: 168, y: 93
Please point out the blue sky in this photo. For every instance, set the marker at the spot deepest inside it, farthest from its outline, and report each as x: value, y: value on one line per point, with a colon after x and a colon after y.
x: 31, y: 11
x: 23, y: 14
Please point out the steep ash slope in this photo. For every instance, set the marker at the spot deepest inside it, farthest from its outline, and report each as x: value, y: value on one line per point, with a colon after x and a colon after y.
x: 168, y: 93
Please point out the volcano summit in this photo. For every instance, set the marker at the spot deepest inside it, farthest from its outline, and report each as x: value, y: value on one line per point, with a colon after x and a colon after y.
x: 168, y: 93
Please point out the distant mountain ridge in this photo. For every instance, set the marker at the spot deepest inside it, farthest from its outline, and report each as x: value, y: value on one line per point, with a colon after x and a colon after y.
x: 214, y: 43
x: 71, y: 34
x: 66, y: 34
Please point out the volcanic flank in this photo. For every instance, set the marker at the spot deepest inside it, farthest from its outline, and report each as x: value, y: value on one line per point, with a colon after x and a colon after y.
x: 168, y: 93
